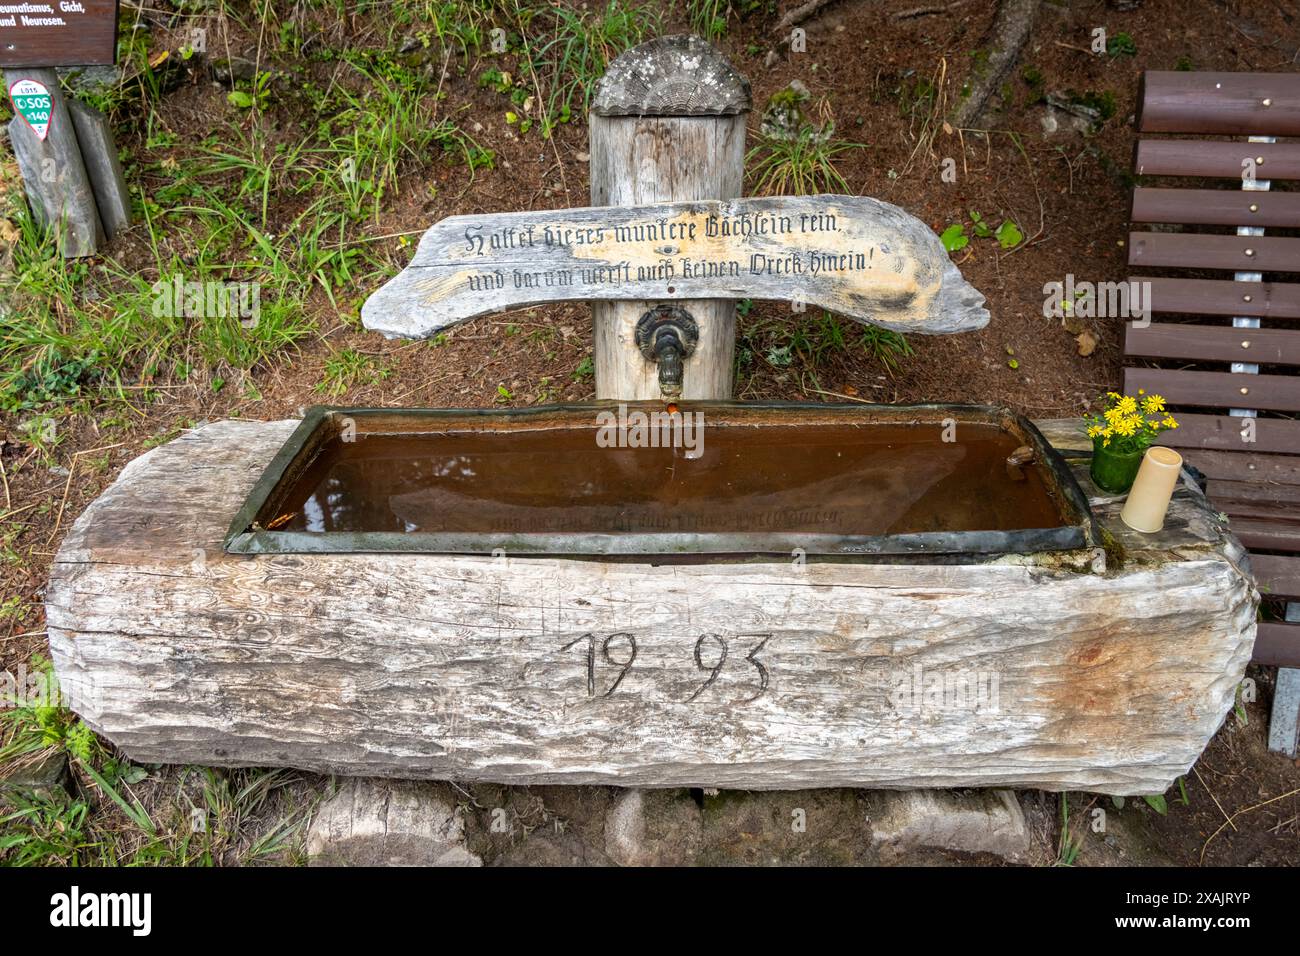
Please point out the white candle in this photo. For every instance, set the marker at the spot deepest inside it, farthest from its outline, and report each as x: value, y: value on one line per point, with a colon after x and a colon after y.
x: 1154, y: 486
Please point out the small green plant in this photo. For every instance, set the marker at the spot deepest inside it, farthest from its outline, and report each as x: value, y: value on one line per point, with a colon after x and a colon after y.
x: 1068, y: 845
x: 954, y: 238
x: 804, y: 164
x: 885, y: 345
x: 1008, y: 234
x: 1121, y: 44
x: 257, y: 95
x: 1157, y: 802
x: 347, y: 368
x: 708, y: 17
x: 585, y: 370
x: 578, y: 46
x: 46, y: 829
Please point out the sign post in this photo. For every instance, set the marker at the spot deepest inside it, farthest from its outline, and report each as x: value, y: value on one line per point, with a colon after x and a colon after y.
x: 667, y: 124
x: 65, y: 149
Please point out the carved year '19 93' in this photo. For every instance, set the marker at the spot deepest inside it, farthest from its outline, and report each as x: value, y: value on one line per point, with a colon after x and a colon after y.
x: 620, y: 650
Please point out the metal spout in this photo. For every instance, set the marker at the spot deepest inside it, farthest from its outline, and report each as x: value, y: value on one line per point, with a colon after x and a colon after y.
x: 669, y: 356
x: 666, y: 335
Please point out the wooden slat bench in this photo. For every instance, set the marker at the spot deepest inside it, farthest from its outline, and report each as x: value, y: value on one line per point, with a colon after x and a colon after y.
x: 1224, y: 350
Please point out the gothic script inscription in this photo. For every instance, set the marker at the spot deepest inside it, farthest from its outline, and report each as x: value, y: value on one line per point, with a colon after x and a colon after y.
x: 853, y: 255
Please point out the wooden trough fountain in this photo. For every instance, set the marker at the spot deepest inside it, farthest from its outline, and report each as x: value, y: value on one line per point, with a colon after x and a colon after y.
x: 699, y: 593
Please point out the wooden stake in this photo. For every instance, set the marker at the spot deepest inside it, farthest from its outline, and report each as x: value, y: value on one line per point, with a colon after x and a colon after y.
x: 99, y: 155
x: 55, y: 178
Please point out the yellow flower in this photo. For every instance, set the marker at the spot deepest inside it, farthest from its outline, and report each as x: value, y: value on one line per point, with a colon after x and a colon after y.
x: 1127, y: 405
x: 1152, y: 404
x: 1169, y: 422
x: 1126, y: 427
x: 1094, y: 431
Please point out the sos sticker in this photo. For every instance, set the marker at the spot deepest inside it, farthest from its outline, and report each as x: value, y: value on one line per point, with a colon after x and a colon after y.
x: 32, y: 101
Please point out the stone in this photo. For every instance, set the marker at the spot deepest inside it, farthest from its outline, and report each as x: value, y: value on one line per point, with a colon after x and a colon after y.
x: 372, y: 822
x: 672, y: 76
x: 46, y: 774
x: 973, y: 821
x: 653, y: 828
x: 231, y: 70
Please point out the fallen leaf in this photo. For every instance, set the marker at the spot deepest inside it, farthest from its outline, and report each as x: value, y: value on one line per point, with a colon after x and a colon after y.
x: 1087, y: 343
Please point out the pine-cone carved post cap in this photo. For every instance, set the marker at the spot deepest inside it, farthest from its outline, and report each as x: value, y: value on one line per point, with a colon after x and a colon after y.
x: 672, y: 76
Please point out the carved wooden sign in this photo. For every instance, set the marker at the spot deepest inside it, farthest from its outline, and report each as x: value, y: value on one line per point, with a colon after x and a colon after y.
x: 854, y: 255
x: 58, y: 32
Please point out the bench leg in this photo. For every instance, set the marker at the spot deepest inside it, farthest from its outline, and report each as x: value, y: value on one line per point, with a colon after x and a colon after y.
x: 1284, y: 726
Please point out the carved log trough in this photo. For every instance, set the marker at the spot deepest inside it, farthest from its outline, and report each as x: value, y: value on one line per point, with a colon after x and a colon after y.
x: 1106, y: 668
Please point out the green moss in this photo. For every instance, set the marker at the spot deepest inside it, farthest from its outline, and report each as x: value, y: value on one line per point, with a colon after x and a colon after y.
x: 1115, y: 553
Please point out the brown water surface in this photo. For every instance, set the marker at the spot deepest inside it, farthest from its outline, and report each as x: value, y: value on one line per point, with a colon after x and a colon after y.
x: 870, y: 479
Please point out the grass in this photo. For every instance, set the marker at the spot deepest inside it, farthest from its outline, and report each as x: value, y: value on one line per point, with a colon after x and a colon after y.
x: 800, y: 166
x: 348, y: 368
x: 214, y: 817
x: 812, y: 341
x: 574, y: 47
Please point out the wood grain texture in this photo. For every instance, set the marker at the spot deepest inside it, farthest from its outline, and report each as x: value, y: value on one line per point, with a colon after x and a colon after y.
x: 641, y: 161
x: 1231, y: 104
x: 84, y: 38
x: 854, y: 255
x: 54, y: 177
x: 103, y: 168
x: 1192, y: 157
x: 436, y: 666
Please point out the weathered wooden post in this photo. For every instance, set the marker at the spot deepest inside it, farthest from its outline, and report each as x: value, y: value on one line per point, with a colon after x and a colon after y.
x: 667, y: 124
x: 45, y: 144
x: 65, y: 149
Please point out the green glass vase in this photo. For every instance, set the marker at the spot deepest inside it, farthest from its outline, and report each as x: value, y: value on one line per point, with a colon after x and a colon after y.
x: 1114, y: 471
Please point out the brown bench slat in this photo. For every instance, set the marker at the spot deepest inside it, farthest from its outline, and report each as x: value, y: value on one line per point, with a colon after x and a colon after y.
x: 1278, y: 574
x: 1280, y: 515
x: 1224, y: 432
x: 1263, y: 534
x: 1274, y: 300
x: 1235, y: 466
x: 1252, y: 491
x: 1278, y: 393
x: 1214, y: 343
x: 1216, y: 207
x: 1278, y: 644
x: 1228, y: 104
x: 1195, y: 157
x: 1195, y: 251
